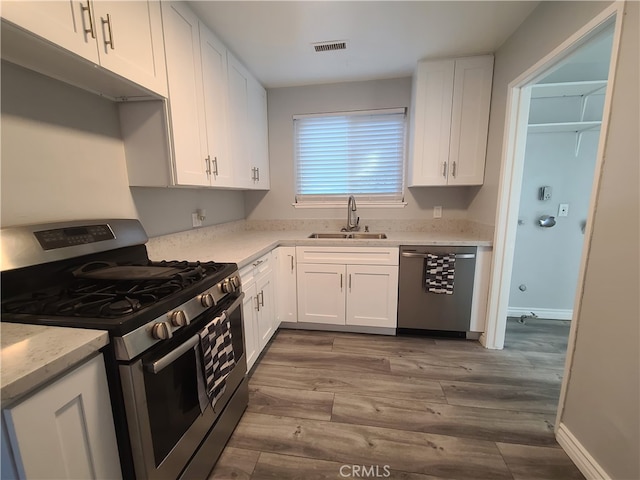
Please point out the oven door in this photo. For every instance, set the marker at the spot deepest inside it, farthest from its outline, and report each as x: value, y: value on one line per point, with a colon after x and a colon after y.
x: 160, y: 389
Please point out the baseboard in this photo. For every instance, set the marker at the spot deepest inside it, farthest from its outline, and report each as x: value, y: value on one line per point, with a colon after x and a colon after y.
x: 337, y: 328
x: 550, y: 313
x: 579, y: 455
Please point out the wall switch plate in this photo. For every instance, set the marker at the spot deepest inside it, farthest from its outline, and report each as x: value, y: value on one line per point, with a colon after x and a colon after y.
x: 437, y: 212
x: 544, y: 193
x: 563, y: 210
x: 195, y: 220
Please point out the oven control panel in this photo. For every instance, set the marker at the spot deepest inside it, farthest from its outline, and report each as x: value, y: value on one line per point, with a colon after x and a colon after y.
x: 69, y: 237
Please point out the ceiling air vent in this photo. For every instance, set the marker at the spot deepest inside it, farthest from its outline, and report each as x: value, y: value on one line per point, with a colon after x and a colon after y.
x: 329, y: 46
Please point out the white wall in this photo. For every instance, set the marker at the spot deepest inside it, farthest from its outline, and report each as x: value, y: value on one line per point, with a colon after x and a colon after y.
x: 63, y: 159
x: 283, y: 103
x: 547, y: 260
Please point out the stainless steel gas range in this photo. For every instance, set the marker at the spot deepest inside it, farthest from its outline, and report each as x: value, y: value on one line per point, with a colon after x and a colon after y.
x: 175, y: 363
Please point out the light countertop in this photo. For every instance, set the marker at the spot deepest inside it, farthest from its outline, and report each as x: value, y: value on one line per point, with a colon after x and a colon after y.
x: 34, y: 354
x: 244, y: 246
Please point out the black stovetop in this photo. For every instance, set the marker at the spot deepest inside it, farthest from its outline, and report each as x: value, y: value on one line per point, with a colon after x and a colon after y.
x: 116, y: 304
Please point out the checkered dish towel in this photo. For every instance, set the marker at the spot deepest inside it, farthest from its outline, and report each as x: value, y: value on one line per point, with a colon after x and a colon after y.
x: 439, y: 273
x: 217, y: 360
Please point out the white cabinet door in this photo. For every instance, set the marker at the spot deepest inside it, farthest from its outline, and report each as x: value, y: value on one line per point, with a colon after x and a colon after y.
x: 286, y: 289
x: 266, y: 311
x: 470, y: 120
x: 68, y: 24
x: 214, y: 81
x: 259, y: 135
x: 321, y: 293
x: 239, y: 143
x: 66, y: 429
x: 450, y: 118
x: 432, y: 97
x: 372, y: 295
x: 250, y: 322
x: 184, y: 71
x: 130, y: 41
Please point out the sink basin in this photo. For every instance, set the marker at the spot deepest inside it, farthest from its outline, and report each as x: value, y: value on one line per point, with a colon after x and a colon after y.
x: 370, y: 236
x: 356, y: 235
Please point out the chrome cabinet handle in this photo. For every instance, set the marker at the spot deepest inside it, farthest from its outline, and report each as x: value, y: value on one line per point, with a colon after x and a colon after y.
x: 257, y: 174
x: 215, y: 166
x: 453, y: 170
x: 349, y: 282
x: 208, y: 167
x: 108, y: 22
x: 340, y: 282
x: 257, y: 303
x: 87, y: 9
x: 291, y: 257
x: 258, y: 263
x: 261, y: 298
x: 444, y: 169
x: 253, y: 173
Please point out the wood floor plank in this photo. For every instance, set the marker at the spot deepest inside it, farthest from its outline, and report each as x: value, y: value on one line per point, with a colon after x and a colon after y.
x: 327, y: 360
x: 503, y: 397
x: 328, y: 380
x: 414, y: 452
x: 292, y: 339
x: 475, y: 372
x: 532, y: 463
x: 290, y: 402
x: 235, y: 463
x: 459, y: 421
x: 273, y: 466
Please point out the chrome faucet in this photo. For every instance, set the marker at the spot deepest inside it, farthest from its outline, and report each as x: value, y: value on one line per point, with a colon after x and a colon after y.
x: 353, y: 220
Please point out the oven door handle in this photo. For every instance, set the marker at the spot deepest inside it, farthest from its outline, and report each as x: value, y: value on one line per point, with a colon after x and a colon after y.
x: 174, y: 354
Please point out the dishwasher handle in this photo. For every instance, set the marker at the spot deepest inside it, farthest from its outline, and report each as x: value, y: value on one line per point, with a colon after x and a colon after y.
x: 459, y: 256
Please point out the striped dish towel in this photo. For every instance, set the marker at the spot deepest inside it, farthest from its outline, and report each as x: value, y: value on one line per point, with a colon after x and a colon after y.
x: 439, y: 273
x: 217, y: 357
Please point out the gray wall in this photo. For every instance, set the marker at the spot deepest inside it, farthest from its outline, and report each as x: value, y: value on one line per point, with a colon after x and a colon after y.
x: 601, y: 407
x: 63, y: 159
x: 285, y: 102
x: 547, y: 260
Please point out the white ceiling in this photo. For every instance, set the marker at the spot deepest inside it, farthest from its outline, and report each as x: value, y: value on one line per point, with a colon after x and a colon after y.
x: 385, y: 38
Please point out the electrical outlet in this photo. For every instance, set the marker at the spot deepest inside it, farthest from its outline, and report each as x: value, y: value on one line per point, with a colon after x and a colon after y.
x: 437, y: 212
x: 195, y: 220
x: 563, y: 210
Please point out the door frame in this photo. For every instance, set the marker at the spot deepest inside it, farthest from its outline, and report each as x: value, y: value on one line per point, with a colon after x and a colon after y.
x: 510, y: 186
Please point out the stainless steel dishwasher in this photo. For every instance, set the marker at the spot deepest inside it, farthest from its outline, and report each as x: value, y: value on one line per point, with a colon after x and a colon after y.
x: 422, y: 311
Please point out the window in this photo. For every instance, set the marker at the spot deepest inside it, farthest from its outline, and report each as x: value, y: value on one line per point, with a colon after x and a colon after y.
x: 353, y: 153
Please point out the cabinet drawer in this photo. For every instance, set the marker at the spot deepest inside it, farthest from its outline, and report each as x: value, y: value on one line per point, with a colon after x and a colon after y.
x: 348, y: 255
x: 255, y: 269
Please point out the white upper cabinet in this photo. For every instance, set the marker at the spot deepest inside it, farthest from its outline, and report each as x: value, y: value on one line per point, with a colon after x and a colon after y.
x: 249, y: 141
x: 259, y: 134
x: 450, y: 118
x: 124, y: 38
x: 186, y: 102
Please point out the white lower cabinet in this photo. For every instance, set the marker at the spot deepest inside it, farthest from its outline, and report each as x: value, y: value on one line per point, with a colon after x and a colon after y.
x: 285, y: 285
x: 348, y: 286
x: 65, y: 430
x: 258, y: 310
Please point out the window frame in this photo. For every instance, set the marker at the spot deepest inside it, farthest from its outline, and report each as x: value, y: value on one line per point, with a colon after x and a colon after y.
x: 363, y: 200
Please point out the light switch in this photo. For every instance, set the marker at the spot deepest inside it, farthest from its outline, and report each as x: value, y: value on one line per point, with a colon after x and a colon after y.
x: 437, y: 212
x: 563, y: 210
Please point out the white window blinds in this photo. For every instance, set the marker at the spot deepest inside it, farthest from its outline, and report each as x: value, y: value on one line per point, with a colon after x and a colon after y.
x: 354, y: 153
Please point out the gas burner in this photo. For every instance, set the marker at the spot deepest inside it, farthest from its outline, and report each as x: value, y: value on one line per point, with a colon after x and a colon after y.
x: 124, y: 306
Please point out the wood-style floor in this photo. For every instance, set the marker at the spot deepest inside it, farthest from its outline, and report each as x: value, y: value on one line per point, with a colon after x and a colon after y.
x: 333, y: 406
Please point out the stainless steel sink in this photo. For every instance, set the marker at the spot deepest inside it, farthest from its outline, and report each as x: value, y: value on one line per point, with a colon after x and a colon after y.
x: 329, y: 235
x: 369, y: 236
x: 356, y: 236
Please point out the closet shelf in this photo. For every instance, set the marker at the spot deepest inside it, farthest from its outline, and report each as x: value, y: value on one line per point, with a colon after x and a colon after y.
x: 568, y: 89
x: 576, y: 127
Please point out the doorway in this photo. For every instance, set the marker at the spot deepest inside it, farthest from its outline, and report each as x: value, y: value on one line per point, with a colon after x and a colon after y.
x: 565, y: 116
